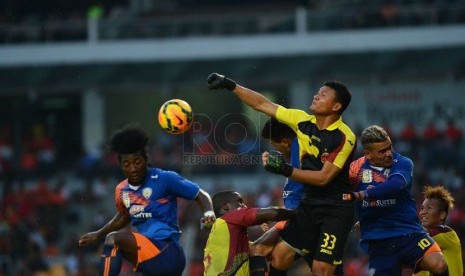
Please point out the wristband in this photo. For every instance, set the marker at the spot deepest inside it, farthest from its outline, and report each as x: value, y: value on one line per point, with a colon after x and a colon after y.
x: 229, y: 84
x: 209, y: 213
x: 287, y: 170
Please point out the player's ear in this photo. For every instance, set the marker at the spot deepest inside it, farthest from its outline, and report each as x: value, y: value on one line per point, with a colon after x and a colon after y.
x: 337, y: 107
x: 288, y: 142
x: 443, y: 215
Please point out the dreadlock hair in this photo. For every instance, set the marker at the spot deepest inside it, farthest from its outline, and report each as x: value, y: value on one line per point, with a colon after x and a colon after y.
x: 276, y: 131
x: 343, y: 95
x: 221, y: 198
x: 445, y: 199
x: 130, y: 139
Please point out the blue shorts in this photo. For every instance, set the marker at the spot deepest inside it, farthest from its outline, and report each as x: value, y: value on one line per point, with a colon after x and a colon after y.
x: 388, y: 256
x: 159, y: 257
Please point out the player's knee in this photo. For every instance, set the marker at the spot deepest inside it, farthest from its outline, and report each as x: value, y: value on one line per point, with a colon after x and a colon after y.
x: 440, y: 266
x: 260, y: 250
x: 111, y: 238
x: 322, y: 268
x: 282, y: 261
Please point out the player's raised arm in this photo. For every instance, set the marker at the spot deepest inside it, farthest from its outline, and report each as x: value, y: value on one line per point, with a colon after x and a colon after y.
x: 250, y: 97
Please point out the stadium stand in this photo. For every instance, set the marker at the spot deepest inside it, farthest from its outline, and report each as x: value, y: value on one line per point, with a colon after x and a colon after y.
x: 49, y: 177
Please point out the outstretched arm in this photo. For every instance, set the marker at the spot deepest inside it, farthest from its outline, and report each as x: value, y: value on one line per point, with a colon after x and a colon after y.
x: 116, y: 223
x: 389, y: 188
x: 248, y: 96
x: 274, y: 214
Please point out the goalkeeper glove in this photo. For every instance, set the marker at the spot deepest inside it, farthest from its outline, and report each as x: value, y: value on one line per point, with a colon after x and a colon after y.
x: 277, y: 164
x: 355, y: 196
x: 217, y: 81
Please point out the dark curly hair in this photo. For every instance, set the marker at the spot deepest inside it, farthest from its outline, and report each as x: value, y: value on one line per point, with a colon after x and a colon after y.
x: 275, y: 130
x: 130, y: 139
x: 221, y: 198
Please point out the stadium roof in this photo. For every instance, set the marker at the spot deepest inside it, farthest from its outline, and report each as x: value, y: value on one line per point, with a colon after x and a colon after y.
x: 410, y: 63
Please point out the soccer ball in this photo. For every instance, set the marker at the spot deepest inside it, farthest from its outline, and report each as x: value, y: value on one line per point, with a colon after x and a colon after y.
x: 175, y: 116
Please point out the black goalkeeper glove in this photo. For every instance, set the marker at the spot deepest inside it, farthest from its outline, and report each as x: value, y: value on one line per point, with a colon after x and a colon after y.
x: 277, y: 164
x: 217, y: 81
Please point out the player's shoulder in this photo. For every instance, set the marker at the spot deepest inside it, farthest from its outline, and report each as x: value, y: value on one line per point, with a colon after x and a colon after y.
x: 358, y: 162
x: 402, y: 159
x: 295, y: 113
x: 121, y: 185
x: 347, y: 130
x: 440, y: 229
x: 158, y: 173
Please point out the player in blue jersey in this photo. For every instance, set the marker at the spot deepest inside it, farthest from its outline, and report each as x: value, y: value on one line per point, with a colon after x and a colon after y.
x: 391, y: 233
x: 148, y: 200
x: 284, y: 140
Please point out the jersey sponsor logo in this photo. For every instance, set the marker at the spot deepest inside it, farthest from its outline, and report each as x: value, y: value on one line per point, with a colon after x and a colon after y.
x: 367, y: 176
x: 315, y: 138
x: 143, y: 215
x: 154, y: 176
x: 379, y: 203
x: 136, y: 209
x: 147, y: 192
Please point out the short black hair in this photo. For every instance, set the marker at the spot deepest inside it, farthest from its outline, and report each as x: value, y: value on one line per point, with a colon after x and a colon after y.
x: 343, y: 95
x: 275, y: 130
x: 129, y: 139
x: 221, y: 198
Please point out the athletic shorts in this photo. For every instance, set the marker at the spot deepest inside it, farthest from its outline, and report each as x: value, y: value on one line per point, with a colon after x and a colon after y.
x: 320, y: 232
x: 156, y: 257
x: 388, y: 256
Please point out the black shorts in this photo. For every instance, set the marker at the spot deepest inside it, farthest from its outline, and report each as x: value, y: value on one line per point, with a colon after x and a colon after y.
x: 320, y: 231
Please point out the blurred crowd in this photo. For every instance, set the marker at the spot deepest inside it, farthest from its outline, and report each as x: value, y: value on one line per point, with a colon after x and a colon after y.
x: 33, y: 21
x: 43, y: 211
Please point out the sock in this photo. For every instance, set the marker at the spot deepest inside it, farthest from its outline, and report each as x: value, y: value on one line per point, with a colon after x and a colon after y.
x: 275, y: 272
x: 445, y: 273
x: 111, y: 261
x: 258, y: 266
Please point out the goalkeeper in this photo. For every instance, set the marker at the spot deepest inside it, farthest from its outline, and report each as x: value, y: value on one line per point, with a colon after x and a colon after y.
x: 326, y: 147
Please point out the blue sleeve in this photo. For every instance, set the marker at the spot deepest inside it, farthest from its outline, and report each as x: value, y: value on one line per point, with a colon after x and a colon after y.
x: 295, y: 159
x: 392, y: 186
x: 180, y: 186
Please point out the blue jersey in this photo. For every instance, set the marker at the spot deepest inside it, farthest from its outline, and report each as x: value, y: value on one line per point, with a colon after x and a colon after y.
x: 293, y: 190
x: 392, y: 216
x: 152, y: 207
